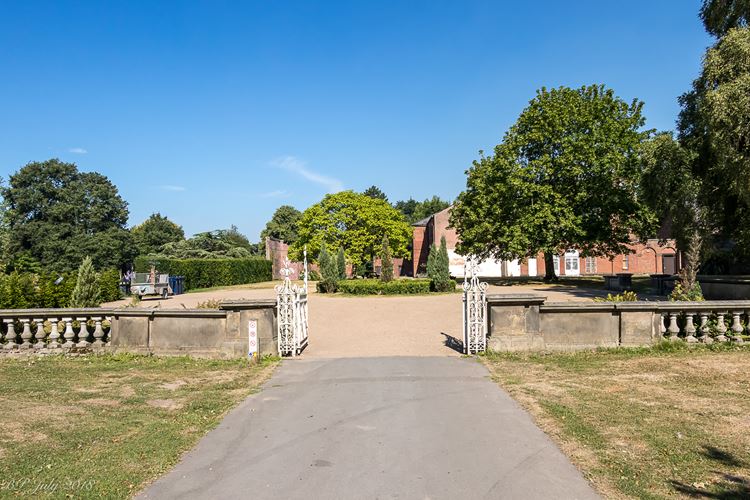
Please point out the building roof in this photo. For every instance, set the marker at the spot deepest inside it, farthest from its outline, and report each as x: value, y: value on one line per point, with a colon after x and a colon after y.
x: 423, y: 222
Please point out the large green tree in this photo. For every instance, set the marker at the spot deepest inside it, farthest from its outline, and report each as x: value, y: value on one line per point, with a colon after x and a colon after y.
x: 720, y: 16
x: 677, y: 196
x: 283, y: 225
x: 715, y: 124
x: 57, y: 215
x: 155, y: 232
x: 355, y: 222
x: 565, y: 176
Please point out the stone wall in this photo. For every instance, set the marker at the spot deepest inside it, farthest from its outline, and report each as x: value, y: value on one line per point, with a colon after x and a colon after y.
x: 213, y: 333
x: 528, y: 322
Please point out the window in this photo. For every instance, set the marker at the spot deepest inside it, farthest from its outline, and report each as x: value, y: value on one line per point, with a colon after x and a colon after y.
x: 590, y: 265
x: 625, y: 262
x: 556, y: 263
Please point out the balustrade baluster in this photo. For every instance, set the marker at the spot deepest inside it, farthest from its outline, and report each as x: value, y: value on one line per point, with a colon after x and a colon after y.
x: 39, y: 335
x: 83, y: 334
x: 98, y: 332
x: 737, y: 326
x: 69, y: 334
x: 663, y: 327
x: 721, y: 327
x: 705, y: 331
x: 26, y: 334
x: 10, y: 334
x: 689, y: 328
x: 54, y: 334
x: 673, y: 329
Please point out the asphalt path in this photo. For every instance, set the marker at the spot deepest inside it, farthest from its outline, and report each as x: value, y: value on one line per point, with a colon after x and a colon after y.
x: 380, y: 427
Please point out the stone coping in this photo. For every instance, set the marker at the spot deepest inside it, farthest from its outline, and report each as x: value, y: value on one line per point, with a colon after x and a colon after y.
x: 247, y: 304
x: 508, y: 299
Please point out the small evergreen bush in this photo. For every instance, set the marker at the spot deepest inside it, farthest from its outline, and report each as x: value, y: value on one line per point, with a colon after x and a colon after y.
x: 438, y: 269
x: 329, y: 271
x: 86, y: 293
x: 341, y: 263
x: 386, y: 263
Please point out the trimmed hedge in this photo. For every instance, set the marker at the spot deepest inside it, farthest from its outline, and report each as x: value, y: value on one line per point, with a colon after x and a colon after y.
x: 377, y: 287
x: 29, y: 291
x: 207, y: 273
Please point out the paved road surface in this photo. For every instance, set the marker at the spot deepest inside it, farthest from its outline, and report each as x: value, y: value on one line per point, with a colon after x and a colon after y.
x: 388, y: 427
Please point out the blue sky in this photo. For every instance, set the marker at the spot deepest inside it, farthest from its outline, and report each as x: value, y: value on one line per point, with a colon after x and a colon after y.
x: 215, y: 113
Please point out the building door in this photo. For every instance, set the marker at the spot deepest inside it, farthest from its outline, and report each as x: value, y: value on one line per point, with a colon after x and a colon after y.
x: 571, y: 264
x: 668, y: 264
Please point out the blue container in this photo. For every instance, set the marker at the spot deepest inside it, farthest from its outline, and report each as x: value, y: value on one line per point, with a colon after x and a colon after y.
x: 177, y: 283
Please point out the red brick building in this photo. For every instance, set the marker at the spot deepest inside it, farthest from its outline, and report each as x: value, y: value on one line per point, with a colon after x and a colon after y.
x: 650, y: 257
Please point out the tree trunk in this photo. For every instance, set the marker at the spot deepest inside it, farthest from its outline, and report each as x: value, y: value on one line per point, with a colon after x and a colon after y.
x: 549, y: 267
x: 692, y: 255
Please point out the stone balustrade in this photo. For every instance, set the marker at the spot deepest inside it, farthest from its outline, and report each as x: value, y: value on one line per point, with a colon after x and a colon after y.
x: 219, y: 332
x: 705, y: 322
x: 54, y: 330
x: 528, y: 322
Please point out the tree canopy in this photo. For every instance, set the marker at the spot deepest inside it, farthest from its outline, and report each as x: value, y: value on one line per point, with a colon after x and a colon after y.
x: 720, y: 16
x: 355, y: 222
x: 211, y: 244
x: 414, y: 210
x: 154, y: 232
x: 57, y: 215
x: 565, y: 176
x: 375, y: 192
x: 283, y: 225
x: 715, y: 124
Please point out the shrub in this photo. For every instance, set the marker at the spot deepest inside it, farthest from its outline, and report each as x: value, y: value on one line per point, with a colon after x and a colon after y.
x: 313, y: 275
x: 628, y: 296
x: 207, y: 273
x: 378, y: 287
x: 386, y: 263
x: 86, y: 292
x: 438, y: 269
x: 328, y: 270
x: 51, y: 290
x: 209, y: 304
x: 18, y: 291
x: 680, y: 294
x: 109, y: 285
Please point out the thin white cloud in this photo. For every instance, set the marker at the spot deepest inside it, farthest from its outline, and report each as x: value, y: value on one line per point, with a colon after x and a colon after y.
x: 275, y: 194
x: 78, y: 151
x: 299, y: 167
x: 170, y: 187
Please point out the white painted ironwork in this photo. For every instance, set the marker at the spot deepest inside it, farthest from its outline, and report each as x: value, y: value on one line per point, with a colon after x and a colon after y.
x: 475, y: 309
x: 291, y: 303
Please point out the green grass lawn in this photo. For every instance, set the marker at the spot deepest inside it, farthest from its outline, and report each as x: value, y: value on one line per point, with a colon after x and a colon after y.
x: 104, y: 426
x: 672, y: 421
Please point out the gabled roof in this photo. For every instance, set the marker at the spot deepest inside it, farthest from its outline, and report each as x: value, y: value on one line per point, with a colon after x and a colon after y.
x: 423, y: 222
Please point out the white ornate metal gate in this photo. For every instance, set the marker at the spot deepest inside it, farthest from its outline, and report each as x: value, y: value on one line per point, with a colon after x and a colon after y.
x: 291, y: 304
x: 475, y: 309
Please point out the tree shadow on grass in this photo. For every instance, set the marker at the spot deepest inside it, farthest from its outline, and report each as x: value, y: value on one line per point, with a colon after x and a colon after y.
x: 453, y: 343
x: 730, y: 487
x: 722, y: 456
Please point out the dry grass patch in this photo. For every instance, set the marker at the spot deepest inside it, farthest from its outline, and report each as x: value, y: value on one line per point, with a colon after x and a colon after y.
x: 104, y: 426
x: 670, y: 421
